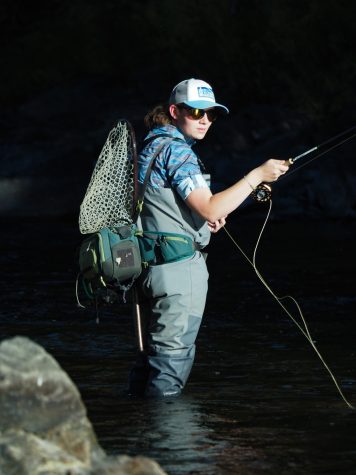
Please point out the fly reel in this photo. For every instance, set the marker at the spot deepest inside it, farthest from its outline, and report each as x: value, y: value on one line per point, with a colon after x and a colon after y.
x: 262, y: 193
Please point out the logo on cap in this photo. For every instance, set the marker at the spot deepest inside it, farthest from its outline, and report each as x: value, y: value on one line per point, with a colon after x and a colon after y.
x: 204, y: 91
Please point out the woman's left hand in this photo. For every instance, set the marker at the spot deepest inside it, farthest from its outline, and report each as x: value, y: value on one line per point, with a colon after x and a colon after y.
x: 216, y: 225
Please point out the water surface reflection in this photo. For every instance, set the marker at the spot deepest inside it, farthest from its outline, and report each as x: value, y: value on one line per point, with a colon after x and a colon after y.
x: 258, y: 401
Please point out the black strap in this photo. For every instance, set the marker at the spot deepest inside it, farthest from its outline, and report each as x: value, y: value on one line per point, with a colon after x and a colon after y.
x: 141, y: 193
x: 150, y: 165
x: 153, y: 137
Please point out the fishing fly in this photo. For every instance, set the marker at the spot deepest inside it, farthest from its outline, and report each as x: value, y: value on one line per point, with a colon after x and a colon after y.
x: 263, y: 193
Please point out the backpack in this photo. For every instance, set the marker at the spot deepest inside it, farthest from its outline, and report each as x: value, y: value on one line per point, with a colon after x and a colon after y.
x: 109, y: 257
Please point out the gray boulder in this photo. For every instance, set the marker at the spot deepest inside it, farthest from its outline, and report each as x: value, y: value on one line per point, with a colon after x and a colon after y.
x: 44, y: 427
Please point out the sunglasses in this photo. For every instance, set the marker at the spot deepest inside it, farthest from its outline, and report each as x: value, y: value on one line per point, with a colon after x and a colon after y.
x: 196, y: 114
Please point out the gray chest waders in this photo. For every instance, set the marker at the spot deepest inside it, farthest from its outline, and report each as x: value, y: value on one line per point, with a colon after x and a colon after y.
x: 175, y: 295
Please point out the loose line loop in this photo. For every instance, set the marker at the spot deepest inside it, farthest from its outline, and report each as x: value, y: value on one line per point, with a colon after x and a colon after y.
x: 304, y: 327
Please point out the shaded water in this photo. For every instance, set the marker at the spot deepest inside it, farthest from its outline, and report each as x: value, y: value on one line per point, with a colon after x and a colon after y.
x: 258, y: 401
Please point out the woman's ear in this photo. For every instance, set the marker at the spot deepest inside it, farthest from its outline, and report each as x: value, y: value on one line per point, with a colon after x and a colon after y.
x: 173, y: 110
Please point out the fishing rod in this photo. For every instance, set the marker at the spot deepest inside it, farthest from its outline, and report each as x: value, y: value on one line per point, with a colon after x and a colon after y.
x: 263, y: 192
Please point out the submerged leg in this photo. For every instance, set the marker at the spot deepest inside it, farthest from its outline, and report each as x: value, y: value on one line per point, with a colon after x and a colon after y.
x: 177, y: 294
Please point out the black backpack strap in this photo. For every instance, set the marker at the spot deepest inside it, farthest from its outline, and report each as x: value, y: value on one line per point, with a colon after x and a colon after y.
x: 141, y: 193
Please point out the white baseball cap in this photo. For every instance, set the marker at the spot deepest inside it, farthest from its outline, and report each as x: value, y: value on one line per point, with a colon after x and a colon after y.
x: 195, y: 93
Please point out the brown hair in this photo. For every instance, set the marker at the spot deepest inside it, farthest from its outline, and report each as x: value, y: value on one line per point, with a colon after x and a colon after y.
x: 158, y: 116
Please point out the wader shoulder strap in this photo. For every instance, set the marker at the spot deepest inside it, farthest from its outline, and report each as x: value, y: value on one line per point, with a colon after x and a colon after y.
x: 141, y: 193
x: 154, y: 137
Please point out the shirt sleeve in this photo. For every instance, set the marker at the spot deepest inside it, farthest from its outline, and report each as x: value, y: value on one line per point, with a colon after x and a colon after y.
x: 189, y: 184
x: 183, y: 171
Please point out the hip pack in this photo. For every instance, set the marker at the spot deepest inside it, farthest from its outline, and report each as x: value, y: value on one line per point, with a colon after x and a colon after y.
x: 161, y: 248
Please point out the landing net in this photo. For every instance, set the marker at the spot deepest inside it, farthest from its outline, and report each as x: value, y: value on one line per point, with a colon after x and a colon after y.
x: 108, y: 200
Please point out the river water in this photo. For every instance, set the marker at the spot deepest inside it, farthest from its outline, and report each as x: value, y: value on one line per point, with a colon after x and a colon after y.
x: 259, y: 401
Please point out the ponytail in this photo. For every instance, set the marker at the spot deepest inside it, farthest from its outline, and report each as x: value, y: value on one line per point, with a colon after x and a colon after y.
x: 158, y: 116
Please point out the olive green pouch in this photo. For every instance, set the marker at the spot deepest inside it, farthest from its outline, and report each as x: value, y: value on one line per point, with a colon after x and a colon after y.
x: 111, y: 257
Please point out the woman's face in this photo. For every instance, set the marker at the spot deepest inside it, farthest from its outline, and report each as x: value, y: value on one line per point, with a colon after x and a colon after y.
x: 192, y: 128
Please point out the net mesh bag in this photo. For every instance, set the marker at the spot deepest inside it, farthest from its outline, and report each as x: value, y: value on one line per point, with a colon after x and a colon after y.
x: 109, y: 197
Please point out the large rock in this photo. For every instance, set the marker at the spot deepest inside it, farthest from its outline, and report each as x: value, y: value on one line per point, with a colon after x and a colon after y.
x: 44, y: 428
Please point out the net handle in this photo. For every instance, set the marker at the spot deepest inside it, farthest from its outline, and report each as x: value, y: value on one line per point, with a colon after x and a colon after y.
x: 135, y: 164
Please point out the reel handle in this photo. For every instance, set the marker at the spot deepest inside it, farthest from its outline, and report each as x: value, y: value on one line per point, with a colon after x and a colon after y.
x: 263, y: 192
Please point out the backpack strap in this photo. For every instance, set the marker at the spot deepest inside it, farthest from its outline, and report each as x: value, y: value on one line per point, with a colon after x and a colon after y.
x: 140, y: 196
x: 153, y: 137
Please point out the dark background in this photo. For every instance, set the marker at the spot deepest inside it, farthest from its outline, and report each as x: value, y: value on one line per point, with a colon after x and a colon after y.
x: 297, y: 54
x: 71, y: 69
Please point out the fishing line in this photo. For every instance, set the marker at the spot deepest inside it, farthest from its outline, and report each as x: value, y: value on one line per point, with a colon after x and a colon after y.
x: 303, y: 329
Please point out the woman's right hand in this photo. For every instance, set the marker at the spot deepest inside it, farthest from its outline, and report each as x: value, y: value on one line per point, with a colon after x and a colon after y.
x: 270, y: 170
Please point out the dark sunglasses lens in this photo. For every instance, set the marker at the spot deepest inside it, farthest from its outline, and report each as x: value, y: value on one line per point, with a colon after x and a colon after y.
x: 196, y: 113
x: 212, y: 115
x: 199, y: 113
